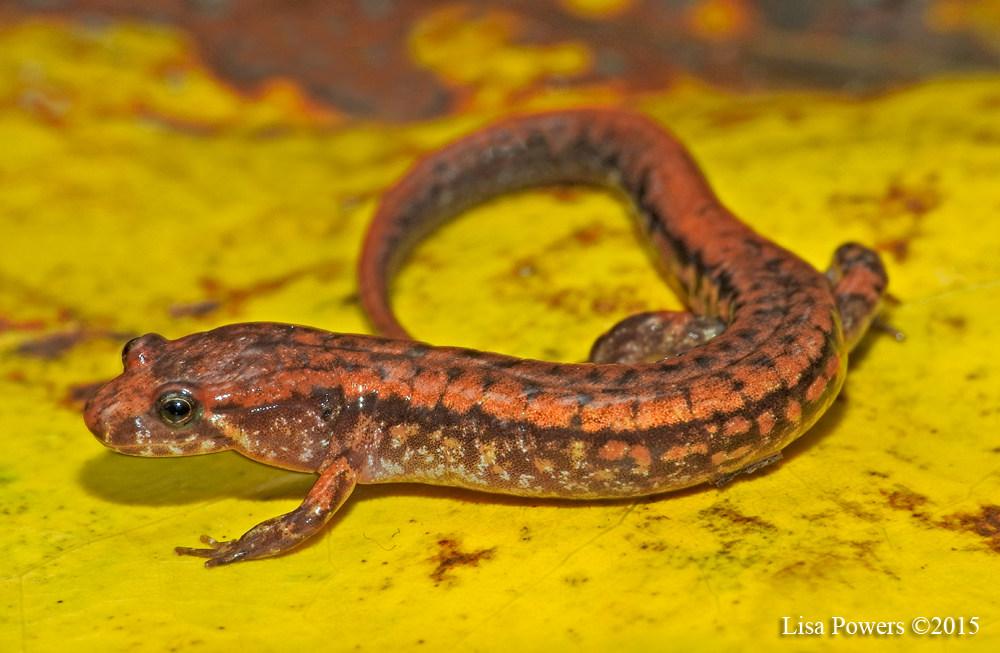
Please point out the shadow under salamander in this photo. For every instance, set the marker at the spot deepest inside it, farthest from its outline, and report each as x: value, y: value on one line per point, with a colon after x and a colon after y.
x: 197, y: 479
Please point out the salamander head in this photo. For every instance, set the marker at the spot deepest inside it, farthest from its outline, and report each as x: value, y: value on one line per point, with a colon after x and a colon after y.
x: 231, y: 388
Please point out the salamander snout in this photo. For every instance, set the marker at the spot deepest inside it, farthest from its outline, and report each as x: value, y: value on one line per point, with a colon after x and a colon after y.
x: 93, y: 417
x: 141, y: 414
x: 170, y: 421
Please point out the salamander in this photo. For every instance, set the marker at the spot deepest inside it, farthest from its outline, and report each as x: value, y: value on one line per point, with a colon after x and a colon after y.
x: 667, y: 400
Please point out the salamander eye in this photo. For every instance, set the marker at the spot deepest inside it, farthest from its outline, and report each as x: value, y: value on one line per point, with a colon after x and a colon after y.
x: 178, y: 408
x: 127, y: 348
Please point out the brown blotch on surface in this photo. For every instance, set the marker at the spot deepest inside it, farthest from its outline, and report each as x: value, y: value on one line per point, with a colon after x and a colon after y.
x: 234, y: 298
x: 20, y: 325
x: 450, y: 556
x: 196, y: 309
x: 986, y: 524
x: 916, y: 200
x: 895, y: 215
x: 903, y: 498
x: 898, y: 247
x: 50, y: 347
x: 957, y: 322
x: 725, y: 511
x: 591, y: 234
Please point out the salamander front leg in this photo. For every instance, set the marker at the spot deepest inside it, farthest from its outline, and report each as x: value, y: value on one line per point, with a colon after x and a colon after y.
x: 651, y: 337
x: 285, y: 531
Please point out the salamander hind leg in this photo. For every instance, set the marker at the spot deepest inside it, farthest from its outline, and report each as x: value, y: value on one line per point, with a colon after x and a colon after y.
x: 650, y: 337
x: 281, y: 533
x: 859, y: 281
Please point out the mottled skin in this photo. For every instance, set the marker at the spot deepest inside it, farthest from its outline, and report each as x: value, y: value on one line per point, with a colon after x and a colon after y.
x: 363, y: 409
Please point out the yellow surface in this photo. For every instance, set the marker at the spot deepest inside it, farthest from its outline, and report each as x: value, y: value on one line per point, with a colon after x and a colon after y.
x: 133, y: 188
x: 475, y: 54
